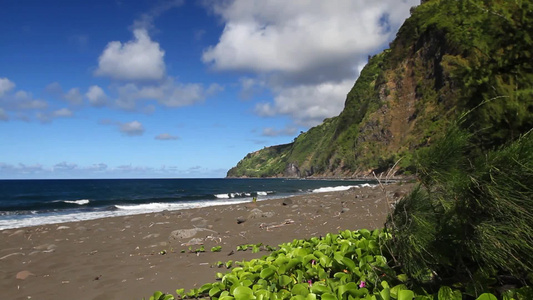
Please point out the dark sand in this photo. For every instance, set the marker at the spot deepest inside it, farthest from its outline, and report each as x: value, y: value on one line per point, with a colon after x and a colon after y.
x: 119, y: 258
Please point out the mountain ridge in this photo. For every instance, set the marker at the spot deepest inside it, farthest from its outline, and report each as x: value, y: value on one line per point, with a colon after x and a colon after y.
x: 448, y: 58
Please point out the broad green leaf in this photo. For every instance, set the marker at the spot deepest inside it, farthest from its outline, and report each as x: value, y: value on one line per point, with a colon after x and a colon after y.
x: 350, y: 264
x: 298, y: 297
x: 267, y: 273
x: 284, y: 280
x: 385, y: 294
x: 205, y: 288
x: 243, y: 293
x: 328, y: 296
x: 300, y: 289
x: 405, y: 295
x: 156, y: 295
x: 396, y: 289
x: 319, y: 288
x: 487, y: 296
x: 445, y: 293
x: 214, y: 291
x: 226, y: 298
x: 311, y: 296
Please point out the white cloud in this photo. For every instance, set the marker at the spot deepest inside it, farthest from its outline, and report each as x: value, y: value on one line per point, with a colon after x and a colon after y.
x: 98, y: 167
x: 6, y: 85
x: 138, y: 59
x: 308, y: 105
x: 134, y: 128
x: 168, y: 93
x: 96, y: 96
x: 47, y: 117
x: 62, y: 113
x: 308, y: 53
x: 74, y: 97
x: 64, y: 166
x: 166, y: 137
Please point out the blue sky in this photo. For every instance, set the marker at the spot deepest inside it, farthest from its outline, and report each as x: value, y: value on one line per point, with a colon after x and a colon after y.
x: 174, y: 89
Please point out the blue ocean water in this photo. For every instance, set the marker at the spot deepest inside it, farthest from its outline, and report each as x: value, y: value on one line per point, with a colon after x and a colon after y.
x: 35, y: 202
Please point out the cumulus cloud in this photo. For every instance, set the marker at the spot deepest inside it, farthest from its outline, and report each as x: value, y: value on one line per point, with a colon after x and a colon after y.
x: 96, y: 96
x: 166, y: 137
x: 303, y: 49
x: 6, y: 85
x: 64, y: 166
x: 168, y: 93
x: 307, y: 105
x: 45, y: 117
x: 138, y: 59
x: 17, y: 103
x: 74, y: 97
x: 134, y: 128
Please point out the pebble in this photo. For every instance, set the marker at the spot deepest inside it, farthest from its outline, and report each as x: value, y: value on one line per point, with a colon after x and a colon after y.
x: 62, y: 227
x: 152, y: 235
x: 22, y: 275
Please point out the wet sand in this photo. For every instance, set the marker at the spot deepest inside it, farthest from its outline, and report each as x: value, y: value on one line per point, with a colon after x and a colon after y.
x: 131, y: 257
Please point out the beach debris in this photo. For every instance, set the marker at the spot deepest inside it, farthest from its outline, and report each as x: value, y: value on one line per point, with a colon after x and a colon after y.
x: 181, y: 234
x: 199, y: 222
x: 11, y: 254
x: 62, y: 227
x: 194, y: 241
x: 286, y: 222
x: 287, y: 201
x: 257, y: 213
x: 241, y: 219
x: 152, y: 235
x: 22, y: 275
x: 231, y: 253
x: 97, y: 277
x: 18, y: 232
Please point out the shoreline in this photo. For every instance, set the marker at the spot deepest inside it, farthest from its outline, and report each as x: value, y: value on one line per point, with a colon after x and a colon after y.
x: 130, y: 257
x: 16, y: 221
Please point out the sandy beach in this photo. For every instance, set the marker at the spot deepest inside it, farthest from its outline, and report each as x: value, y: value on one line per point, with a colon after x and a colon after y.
x: 131, y: 257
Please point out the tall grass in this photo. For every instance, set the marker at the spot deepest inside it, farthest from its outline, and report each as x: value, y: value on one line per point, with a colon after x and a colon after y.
x: 470, y: 221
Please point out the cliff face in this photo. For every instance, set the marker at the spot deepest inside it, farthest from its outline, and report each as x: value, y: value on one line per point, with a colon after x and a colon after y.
x: 449, y: 57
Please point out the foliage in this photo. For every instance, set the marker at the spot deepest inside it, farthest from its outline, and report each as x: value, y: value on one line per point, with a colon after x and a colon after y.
x: 471, y: 219
x: 349, y: 265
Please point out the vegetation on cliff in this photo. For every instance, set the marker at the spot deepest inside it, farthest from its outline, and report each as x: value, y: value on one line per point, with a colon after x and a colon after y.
x: 449, y: 57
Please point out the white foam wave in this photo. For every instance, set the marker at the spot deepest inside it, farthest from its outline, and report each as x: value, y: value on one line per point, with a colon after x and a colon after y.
x: 232, y: 195
x: 262, y: 193
x: 79, y: 202
x: 21, y: 221
x: 340, y: 188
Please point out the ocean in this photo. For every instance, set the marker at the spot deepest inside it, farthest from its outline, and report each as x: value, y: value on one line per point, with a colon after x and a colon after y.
x: 26, y: 203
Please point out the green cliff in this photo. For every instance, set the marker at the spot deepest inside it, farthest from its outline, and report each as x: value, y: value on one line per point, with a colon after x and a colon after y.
x: 448, y: 58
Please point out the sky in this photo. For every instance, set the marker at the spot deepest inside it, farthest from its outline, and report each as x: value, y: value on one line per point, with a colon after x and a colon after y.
x: 174, y: 89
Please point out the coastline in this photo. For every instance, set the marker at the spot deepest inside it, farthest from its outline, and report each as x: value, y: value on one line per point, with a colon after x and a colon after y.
x: 130, y: 257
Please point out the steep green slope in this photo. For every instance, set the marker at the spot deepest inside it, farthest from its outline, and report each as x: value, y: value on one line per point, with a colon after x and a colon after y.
x: 449, y: 57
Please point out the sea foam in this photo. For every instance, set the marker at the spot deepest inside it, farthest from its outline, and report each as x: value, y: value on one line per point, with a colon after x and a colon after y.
x: 79, y: 202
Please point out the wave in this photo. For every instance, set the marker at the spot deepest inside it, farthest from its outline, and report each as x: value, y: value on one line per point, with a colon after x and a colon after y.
x: 340, y: 188
x: 261, y: 193
x: 79, y: 202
